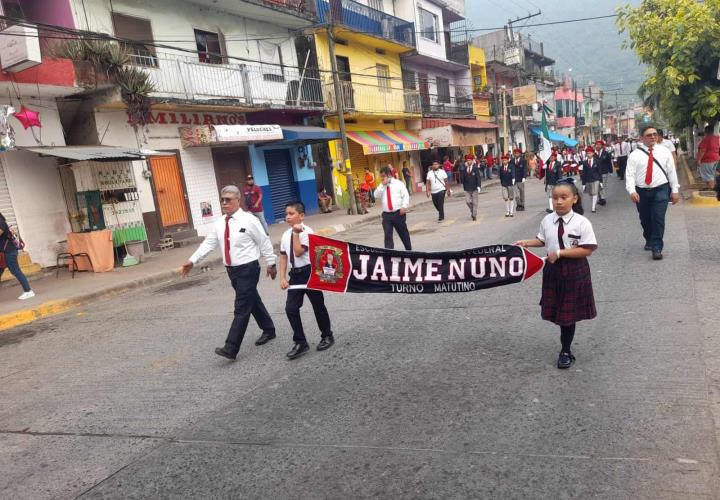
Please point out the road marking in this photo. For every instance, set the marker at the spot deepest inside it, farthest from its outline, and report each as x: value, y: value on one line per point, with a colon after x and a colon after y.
x: 417, y: 226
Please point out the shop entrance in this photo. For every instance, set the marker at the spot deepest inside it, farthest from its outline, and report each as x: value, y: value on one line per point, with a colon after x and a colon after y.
x: 232, y: 166
x: 170, y: 192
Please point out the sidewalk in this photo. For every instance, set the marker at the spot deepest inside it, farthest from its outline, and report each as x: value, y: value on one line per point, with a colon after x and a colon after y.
x: 57, y: 296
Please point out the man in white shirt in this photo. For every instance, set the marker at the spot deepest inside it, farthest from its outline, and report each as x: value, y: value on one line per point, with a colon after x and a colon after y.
x: 621, y: 149
x: 664, y: 141
x: 395, y: 201
x: 436, y: 186
x: 651, y: 181
x: 242, y: 240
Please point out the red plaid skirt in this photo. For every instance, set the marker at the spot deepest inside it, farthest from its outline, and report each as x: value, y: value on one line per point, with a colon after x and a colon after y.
x: 567, y: 294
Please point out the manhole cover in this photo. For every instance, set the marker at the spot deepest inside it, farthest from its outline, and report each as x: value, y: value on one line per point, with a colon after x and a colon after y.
x: 182, y: 285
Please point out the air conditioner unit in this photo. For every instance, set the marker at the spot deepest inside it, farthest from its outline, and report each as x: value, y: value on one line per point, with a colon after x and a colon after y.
x: 19, y: 48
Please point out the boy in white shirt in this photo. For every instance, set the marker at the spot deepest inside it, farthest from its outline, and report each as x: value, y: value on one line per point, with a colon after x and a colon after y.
x: 294, y: 259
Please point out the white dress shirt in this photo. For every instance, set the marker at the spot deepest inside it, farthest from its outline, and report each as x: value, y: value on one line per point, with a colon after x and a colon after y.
x: 437, y: 180
x: 578, y: 231
x: 669, y: 144
x: 247, y: 240
x: 286, y: 246
x: 637, y: 167
x: 621, y: 149
x: 398, y: 193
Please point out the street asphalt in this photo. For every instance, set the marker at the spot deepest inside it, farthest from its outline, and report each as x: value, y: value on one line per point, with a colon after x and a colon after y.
x: 437, y: 396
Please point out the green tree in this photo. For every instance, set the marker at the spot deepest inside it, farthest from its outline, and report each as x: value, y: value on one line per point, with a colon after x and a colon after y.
x: 679, y: 41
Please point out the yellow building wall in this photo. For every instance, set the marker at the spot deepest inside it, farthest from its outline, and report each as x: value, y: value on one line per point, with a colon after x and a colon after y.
x: 478, y: 73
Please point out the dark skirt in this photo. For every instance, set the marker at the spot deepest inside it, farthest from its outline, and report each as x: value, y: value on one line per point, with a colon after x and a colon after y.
x: 567, y: 294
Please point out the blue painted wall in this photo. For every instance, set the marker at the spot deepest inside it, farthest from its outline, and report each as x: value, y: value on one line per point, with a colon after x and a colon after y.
x: 304, y: 178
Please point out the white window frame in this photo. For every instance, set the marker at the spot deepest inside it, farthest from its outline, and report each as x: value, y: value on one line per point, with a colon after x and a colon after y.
x: 435, y: 35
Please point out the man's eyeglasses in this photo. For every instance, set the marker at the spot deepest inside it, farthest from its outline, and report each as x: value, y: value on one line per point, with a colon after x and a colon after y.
x: 227, y: 200
x: 652, y: 134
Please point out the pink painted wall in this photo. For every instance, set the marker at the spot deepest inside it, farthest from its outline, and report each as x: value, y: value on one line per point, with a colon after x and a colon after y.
x: 56, y: 12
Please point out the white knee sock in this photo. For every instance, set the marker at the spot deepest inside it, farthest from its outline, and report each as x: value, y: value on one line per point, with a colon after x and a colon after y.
x: 512, y: 206
x: 594, y: 201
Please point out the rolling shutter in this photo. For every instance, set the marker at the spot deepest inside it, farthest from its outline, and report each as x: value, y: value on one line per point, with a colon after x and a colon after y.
x: 358, y: 162
x: 6, y: 207
x: 280, y: 177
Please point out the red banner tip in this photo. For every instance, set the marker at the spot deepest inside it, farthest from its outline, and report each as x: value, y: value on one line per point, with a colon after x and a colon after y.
x: 534, y: 263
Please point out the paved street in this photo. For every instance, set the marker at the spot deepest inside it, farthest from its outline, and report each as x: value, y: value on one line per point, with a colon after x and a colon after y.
x: 439, y: 396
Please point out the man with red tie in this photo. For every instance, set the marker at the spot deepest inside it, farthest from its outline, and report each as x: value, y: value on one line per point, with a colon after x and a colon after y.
x: 651, y: 181
x: 242, y: 240
x: 395, y: 201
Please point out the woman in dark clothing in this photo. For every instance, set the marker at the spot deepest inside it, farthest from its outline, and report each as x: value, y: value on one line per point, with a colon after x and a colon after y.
x: 10, y: 253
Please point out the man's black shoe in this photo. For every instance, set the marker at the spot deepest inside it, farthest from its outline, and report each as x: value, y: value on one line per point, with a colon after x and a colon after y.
x: 220, y: 351
x: 474, y: 218
x: 657, y: 255
x: 325, y: 343
x: 521, y: 209
x: 265, y: 338
x: 298, y: 350
x: 565, y: 360
x: 602, y: 202
x: 647, y: 248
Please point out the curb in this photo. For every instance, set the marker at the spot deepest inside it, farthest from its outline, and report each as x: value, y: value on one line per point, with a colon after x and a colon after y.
x: 695, y: 198
x: 55, y: 307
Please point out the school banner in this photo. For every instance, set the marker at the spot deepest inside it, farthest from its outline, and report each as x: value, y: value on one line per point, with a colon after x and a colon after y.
x: 339, y: 266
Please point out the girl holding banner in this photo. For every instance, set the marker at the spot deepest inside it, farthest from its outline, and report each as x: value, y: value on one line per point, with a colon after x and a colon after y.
x: 567, y: 294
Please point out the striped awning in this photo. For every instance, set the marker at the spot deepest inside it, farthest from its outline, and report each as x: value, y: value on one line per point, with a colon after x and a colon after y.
x: 387, y: 141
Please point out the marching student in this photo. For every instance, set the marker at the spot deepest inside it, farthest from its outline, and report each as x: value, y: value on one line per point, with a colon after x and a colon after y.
x: 604, y: 160
x: 395, y: 200
x: 507, y: 183
x: 520, y: 170
x: 567, y: 294
x: 471, y: 183
x: 553, y: 174
x: 591, y: 176
x: 294, y: 259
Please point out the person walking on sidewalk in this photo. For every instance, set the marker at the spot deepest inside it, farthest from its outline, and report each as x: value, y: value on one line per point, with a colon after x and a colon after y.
x: 294, y: 259
x: 708, y: 156
x: 9, y: 247
x: 407, y: 177
x: 520, y: 169
x: 395, y: 201
x: 604, y: 159
x: 591, y: 176
x: 651, y: 181
x: 437, y: 187
x: 507, y: 183
x: 253, y: 196
x: 471, y: 182
x: 242, y: 240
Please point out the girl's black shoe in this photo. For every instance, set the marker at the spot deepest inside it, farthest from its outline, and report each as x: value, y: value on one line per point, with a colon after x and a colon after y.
x: 565, y: 360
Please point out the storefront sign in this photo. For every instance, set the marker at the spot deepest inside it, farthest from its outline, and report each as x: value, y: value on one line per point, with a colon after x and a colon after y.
x: 248, y: 133
x: 524, y: 96
x: 438, y: 137
x: 472, y: 137
x: 190, y: 118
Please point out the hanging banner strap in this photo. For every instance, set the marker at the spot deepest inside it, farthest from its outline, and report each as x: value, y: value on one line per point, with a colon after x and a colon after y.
x: 339, y: 266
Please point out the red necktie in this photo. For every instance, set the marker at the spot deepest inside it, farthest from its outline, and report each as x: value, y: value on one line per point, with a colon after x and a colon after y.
x: 649, y: 170
x: 389, y: 200
x: 227, y: 240
x: 561, y: 232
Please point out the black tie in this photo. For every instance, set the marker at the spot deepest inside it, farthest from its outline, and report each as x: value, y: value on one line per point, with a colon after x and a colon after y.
x: 292, y: 249
x: 561, y: 233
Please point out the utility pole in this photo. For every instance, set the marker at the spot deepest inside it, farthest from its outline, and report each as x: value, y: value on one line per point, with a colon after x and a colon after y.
x: 521, y: 49
x: 575, y: 107
x: 602, y: 115
x: 617, y: 116
x: 505, y: 128
x: 340, y: 108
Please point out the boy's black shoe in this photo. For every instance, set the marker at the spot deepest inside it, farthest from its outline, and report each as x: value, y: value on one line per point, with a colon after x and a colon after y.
x: 265, y: 338
x: 602, y: 202
x: 220, y: 351
x: 657, y: 255
x: 298, y: 350
x: 474, y: 218
x: 325, y: 343
x: 565, y: 360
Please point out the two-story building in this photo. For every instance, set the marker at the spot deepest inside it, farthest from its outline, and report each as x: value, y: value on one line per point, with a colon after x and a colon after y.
x: 235, y: 91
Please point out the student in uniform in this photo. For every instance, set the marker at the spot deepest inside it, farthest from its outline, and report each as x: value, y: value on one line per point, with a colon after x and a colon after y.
x: 294, y: 259
x: 507, y: 182
x: 604, y: 159
x: 553, y: 174
x: 591, y: 176
x: 567, y: 294
x: 520, y: 169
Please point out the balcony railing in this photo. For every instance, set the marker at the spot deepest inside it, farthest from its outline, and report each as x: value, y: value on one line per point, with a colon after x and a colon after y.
x: 372, y: 99
x: 299, y: 6
x: 362, y: 18
x: 438, y: 106
x: 186, y: 78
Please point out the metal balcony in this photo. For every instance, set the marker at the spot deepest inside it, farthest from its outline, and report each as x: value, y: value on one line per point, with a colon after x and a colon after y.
x: 373, y: 99
x: 361, y: 18
x: 187, y: 79
x: 439, y: 106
